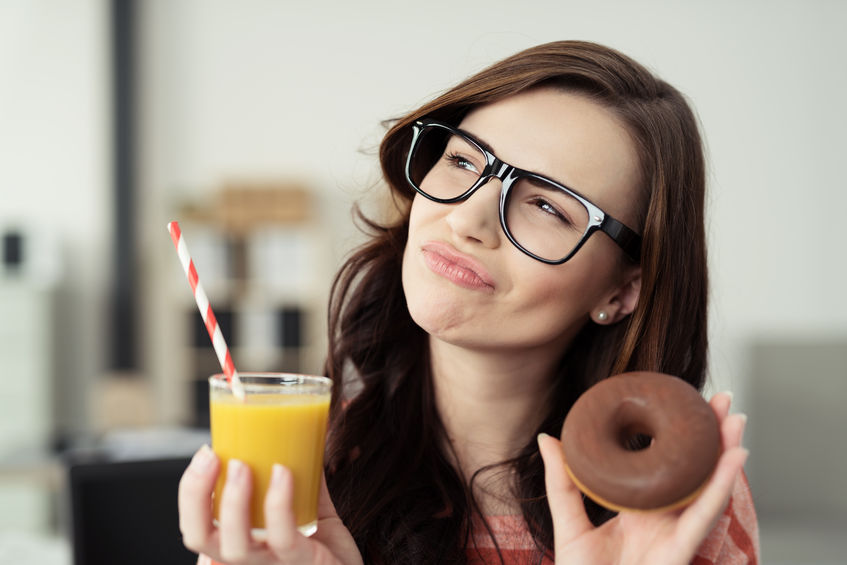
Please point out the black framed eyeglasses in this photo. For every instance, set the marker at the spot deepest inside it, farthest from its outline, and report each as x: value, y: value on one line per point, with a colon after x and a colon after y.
x: 543, y: 218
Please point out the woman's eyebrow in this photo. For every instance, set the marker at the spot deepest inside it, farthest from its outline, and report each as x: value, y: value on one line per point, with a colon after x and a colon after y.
x: 490, y: 149
x: 480, y: 142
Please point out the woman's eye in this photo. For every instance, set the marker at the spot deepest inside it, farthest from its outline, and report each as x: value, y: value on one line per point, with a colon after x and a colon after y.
x: 546, y: 207
x: 461, y: 162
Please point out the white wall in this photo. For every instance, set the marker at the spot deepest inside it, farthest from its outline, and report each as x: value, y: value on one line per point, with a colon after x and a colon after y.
x: 55, y: 172
x: 267, y: 88
x: 282, y: 88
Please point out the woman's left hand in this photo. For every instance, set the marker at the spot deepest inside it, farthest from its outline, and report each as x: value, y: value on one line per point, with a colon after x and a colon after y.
x: 650, y: 537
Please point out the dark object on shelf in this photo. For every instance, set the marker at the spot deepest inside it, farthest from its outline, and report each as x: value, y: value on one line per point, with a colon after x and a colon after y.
x: 201, y: 335
x: 291, y: 327
x: 200, y: 401
x: 13, y: 250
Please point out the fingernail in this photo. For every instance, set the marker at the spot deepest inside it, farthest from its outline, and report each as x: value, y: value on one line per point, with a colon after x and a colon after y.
x: 542, y: 435
x: 730, y: 394
x: 203, y: 459
x: 277, y: 475
x: 234, y: 471
x: 743, y: 418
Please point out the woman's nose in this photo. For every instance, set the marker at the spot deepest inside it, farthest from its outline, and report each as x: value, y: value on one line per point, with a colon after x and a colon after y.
x: 478, y: 217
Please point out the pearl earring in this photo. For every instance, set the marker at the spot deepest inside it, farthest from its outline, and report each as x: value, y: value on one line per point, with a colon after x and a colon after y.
x: 602, y: 316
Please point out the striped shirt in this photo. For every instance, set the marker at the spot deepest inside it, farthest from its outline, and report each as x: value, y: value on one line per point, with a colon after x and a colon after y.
x: 733, y: 541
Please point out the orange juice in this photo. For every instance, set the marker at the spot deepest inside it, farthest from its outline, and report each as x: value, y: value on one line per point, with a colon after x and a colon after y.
x: 281, y: 419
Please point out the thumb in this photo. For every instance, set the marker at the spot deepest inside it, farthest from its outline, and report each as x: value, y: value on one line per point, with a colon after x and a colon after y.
x: 569, y: 518
x: 326, y: 509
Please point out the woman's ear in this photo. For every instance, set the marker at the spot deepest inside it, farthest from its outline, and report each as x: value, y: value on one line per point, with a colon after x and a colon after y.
x: 621, y: 302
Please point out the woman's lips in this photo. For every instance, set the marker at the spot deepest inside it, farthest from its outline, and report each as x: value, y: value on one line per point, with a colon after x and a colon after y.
x: 460, y: 269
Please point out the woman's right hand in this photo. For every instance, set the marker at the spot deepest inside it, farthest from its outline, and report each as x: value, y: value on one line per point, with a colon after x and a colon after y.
x: 332, y: 544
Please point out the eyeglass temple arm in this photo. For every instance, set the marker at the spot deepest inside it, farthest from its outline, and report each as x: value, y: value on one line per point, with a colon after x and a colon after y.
x: 627, y: 239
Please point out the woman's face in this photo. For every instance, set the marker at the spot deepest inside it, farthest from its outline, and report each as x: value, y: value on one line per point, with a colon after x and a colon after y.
x: 466, y: 284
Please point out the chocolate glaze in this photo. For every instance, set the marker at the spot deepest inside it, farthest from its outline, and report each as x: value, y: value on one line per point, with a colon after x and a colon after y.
x: 685, y: 447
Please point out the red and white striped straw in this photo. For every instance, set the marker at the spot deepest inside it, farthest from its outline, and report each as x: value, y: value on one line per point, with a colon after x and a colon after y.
x: 218, y: 342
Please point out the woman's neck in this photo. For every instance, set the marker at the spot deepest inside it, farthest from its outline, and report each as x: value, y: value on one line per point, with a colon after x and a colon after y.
x: 491, y: 405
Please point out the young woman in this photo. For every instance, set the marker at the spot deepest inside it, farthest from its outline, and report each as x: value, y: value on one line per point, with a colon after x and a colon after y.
x: 464, y: 330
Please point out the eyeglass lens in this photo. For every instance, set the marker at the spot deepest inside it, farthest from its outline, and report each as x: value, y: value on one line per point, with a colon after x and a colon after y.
x: 542, y: 218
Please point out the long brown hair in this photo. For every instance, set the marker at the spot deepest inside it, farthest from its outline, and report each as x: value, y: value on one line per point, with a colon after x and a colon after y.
x: 391, y: 482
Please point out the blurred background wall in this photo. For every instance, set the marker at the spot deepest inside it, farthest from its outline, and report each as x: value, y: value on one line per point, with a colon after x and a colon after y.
x: 291, y: 95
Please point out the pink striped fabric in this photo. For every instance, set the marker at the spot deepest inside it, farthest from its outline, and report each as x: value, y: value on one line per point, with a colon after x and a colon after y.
x: 733, y: 541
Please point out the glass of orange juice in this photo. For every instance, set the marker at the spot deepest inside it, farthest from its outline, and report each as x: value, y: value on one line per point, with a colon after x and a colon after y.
x: 281, y: 419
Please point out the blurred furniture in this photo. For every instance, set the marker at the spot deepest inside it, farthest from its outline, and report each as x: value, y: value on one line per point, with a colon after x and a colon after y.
x: 258, y: 252
x: 26, y: 415
x: 126, y: 512
x: 122, y: 495
x: 18, y: 548
x: 798, y: 451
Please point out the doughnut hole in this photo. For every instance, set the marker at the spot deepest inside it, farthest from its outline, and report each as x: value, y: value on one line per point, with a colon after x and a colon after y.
x: 635, y: 429
x: 634, y: 438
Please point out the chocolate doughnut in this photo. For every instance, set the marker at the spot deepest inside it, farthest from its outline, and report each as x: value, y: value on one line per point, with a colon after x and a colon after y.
x: 603, y: 429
